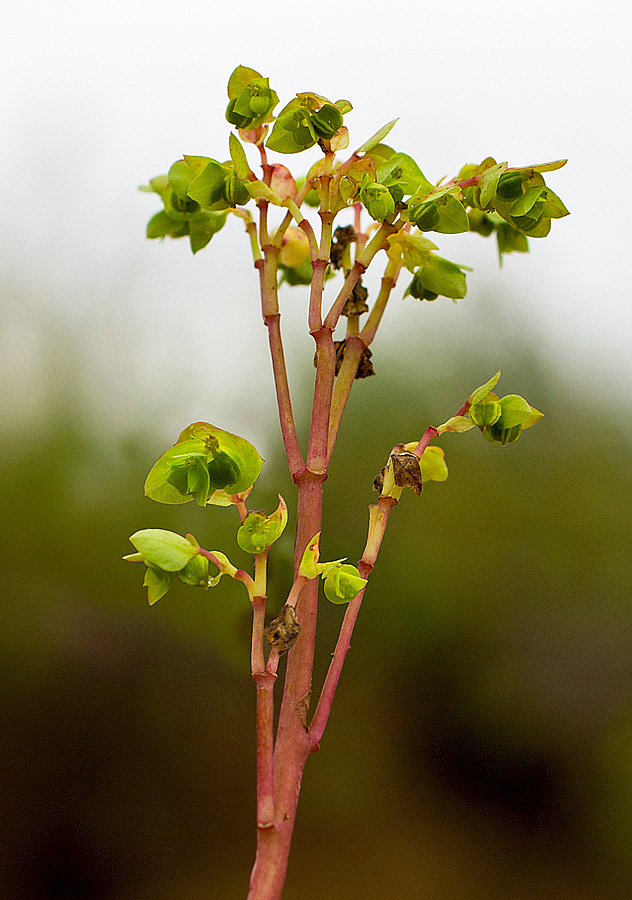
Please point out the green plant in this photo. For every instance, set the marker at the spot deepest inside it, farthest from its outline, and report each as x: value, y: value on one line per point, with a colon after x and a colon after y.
x: 213, y: 467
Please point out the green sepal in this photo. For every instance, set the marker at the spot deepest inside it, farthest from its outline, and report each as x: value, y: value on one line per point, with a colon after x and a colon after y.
x: 233, y: 465
x: 157, y: 582
x: 343, y: 583
x: 165, y: 549
x: 481, y: 392
x: 514, y: 411
x: 259, y: 531
x: 502, y: 436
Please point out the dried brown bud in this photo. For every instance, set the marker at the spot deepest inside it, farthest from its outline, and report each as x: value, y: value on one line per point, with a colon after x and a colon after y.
x: 283, y: 631
x: 356, y: 303
x: 343, y: 236
x: 365, y: 366
x: 407, y: 471
x: 378, y: 482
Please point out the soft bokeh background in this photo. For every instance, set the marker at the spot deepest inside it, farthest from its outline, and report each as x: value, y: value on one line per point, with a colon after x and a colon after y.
x: 481, y: 741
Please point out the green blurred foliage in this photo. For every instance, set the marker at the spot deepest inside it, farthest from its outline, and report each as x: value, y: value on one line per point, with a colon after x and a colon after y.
x: 480, y: 744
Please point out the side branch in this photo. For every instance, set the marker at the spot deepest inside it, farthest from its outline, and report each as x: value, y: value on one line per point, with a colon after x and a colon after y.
x: 378, y: 520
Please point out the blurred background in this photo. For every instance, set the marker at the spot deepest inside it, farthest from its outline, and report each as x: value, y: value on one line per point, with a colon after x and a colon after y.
x: 480, y: 745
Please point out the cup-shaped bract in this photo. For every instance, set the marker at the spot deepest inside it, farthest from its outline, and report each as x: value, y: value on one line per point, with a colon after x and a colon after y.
x: 343, y: 583
x: 232, y: 463
x: 258, y: 531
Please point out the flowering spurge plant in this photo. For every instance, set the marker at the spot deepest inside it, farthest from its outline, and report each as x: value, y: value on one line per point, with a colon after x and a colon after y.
x: 390, y: 208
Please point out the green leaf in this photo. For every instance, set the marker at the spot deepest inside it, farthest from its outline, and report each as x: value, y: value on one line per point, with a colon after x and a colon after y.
x: 456, y: 425
x: 240, y: 78
x: 402, y: 170
x: 207, y: 188
x: 343, y: 583
x: 488, y: 184
x: 440, y: 276
x: 165, y: 549
x: 452, y: 217
x: 378, y: 137
x: 161, y: 226
x: 510, y: 240
x: 514, y: 411
x: 433, y: 466
x: 545, y: 167
x: 157, y: 582
x: 156, y: 185
x: 180, y: 177
x: 310, y: 566
x: 203, y: 227
x: 238, y: 156
x: 481, y: 392
x: 293, y: 131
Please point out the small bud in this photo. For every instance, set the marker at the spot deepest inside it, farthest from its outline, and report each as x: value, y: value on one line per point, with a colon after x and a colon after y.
x: 283, y: 631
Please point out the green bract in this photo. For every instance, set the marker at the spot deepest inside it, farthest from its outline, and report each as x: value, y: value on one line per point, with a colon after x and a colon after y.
x: 259, y: 531
x: 440, y: 211
x: 204, y: 459
x: 343, y: 583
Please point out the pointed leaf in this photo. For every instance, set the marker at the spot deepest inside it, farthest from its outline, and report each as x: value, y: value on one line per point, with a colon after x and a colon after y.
x: 378, y: 137
x: 238, y: 156
x: 481, y: 392
x: 165, y: 549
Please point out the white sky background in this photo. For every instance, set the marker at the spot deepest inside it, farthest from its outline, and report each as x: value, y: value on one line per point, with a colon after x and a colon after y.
x: 96, y: 98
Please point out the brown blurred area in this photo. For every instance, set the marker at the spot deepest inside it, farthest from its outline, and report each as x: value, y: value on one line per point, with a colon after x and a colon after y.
x: 480, y: 746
